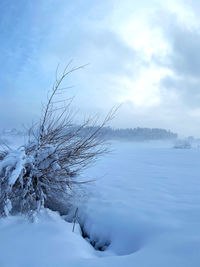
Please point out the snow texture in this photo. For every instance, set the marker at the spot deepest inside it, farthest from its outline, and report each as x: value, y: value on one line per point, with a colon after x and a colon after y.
x: 145, y: 204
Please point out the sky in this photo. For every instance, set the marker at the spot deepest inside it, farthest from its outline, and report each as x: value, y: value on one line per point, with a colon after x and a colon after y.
x: 142, y: 54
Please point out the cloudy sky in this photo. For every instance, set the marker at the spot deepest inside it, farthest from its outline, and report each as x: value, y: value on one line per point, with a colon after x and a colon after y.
x: 144, y: 54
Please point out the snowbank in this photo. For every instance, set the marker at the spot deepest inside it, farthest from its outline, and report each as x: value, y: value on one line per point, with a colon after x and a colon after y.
x: 144, y: 206
x: 47, y: 242
x: 146, y: 203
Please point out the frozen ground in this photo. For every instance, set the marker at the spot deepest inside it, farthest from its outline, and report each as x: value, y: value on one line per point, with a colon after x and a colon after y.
x: 145, y: 204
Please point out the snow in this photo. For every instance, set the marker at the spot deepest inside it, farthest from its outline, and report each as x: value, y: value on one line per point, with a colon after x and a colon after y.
x: 13, y: 159
x: 18, y: 168
x: 47, y: 242
x: 145, y: 203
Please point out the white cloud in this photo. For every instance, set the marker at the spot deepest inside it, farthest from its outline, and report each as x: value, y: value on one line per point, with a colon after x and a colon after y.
x: 135, y: 49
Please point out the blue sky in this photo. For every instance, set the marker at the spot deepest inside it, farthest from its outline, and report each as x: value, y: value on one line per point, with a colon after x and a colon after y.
x: 143, y: 54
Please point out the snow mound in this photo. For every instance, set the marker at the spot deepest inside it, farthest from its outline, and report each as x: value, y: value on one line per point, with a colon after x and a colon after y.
x: 49, y: 241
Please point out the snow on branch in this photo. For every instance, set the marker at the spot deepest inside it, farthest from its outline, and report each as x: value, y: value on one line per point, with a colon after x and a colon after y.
x: 46, y: 168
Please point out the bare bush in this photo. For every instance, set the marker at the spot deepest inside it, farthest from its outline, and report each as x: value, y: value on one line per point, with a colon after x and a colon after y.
x: 46, y: 168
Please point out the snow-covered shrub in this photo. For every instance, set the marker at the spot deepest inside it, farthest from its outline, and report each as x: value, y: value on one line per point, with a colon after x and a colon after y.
x: 45, y: 169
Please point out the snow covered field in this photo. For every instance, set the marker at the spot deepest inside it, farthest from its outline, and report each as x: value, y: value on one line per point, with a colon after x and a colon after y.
x: 144, y: 209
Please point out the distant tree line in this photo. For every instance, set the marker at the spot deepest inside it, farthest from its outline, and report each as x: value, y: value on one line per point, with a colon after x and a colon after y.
x: 108, y: 133
x: 133, y: 134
